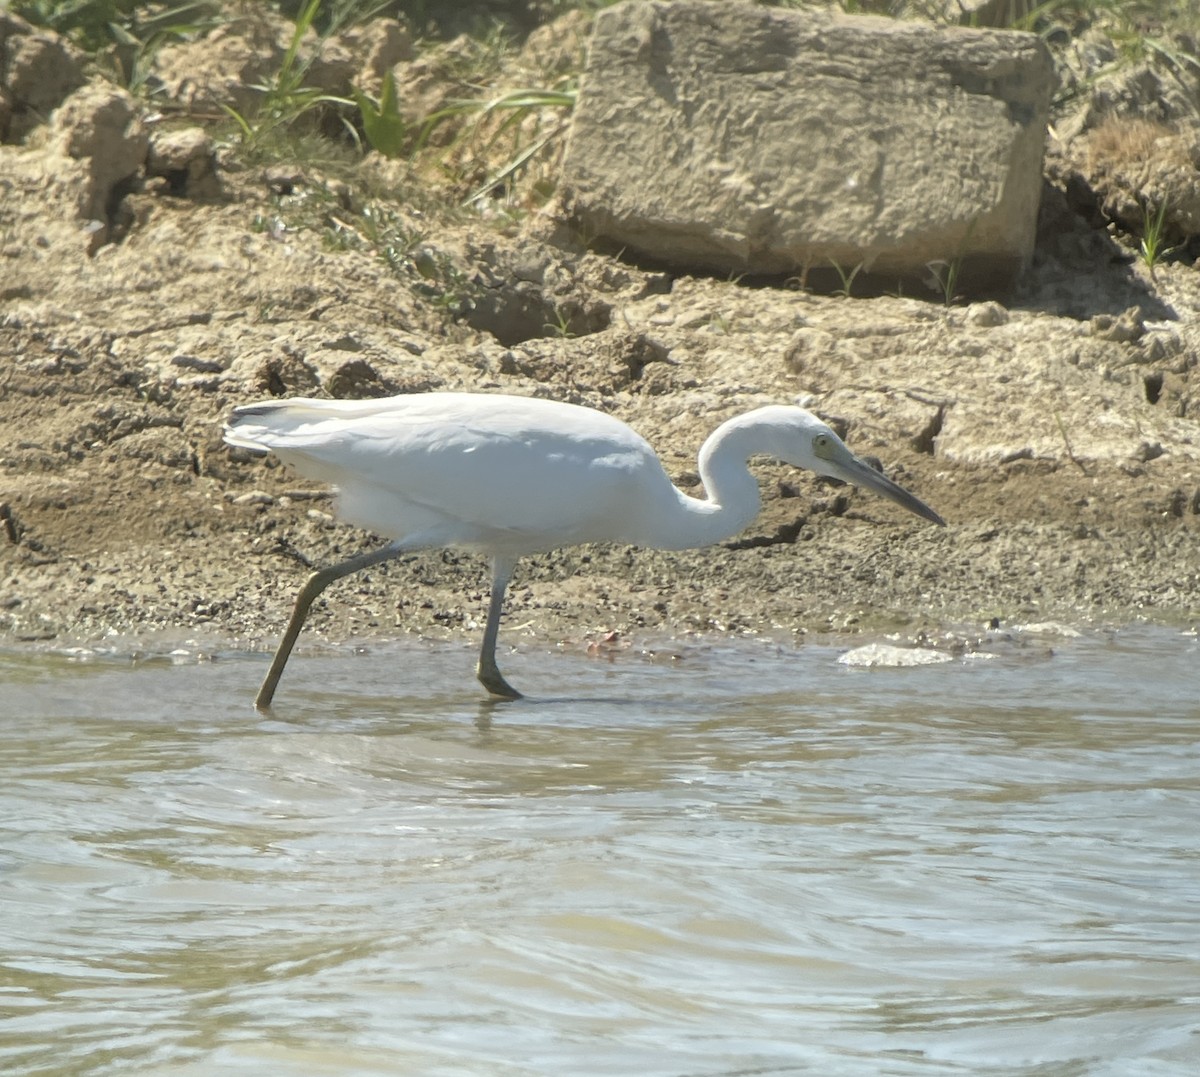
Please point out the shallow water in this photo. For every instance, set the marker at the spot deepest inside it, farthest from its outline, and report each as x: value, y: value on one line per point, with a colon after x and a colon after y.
x: 743, y: 860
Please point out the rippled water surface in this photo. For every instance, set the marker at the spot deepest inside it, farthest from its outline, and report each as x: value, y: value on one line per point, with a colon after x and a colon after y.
x: 744, y: 861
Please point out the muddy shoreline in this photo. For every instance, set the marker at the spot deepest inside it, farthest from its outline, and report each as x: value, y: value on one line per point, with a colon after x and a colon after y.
x: 1057, y: 430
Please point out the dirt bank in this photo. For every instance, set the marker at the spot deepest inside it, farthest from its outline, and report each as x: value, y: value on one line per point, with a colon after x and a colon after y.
x: 1057, y: 433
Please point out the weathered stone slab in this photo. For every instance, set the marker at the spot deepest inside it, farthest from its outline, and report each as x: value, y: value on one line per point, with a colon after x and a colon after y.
x: 735, y: 138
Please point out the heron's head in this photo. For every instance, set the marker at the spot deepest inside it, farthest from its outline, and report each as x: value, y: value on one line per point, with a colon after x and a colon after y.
x: 805, y: 441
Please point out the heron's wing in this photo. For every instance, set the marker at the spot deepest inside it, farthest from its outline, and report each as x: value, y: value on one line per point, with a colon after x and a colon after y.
x: 487, y: 468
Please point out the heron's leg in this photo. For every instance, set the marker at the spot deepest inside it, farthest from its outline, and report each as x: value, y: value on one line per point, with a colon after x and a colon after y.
x: 313, y: 586
x: 487, y: 671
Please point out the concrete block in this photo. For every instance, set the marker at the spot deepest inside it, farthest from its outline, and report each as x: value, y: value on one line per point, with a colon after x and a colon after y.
x: 739, y: 139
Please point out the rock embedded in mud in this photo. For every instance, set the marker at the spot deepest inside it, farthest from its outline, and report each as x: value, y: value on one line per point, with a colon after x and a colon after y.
x: 1127, y: 328
x: 186, y: 161
x: 735, y: 138
x: 986, y: 315
x: 253, y: 497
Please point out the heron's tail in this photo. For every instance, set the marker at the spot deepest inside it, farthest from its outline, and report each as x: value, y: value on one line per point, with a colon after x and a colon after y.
x: 274, y: 424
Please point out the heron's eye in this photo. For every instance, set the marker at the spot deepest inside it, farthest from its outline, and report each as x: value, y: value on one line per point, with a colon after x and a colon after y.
x: 823, y: 446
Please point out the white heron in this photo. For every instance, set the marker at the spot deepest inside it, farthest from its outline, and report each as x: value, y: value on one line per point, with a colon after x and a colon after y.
x: 511, y: 475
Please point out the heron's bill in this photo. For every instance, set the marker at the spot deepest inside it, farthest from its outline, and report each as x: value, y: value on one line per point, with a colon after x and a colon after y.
x: 863, y: 475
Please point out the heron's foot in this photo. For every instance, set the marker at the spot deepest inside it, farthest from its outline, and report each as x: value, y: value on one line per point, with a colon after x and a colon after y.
x: 493, y: 680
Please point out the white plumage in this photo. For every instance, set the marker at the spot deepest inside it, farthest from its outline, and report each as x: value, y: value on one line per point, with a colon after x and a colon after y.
x: 501, y: 473
x: 514, y: 475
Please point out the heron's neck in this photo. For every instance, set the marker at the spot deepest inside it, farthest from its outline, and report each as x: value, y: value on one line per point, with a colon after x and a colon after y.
x: 731, y: 499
